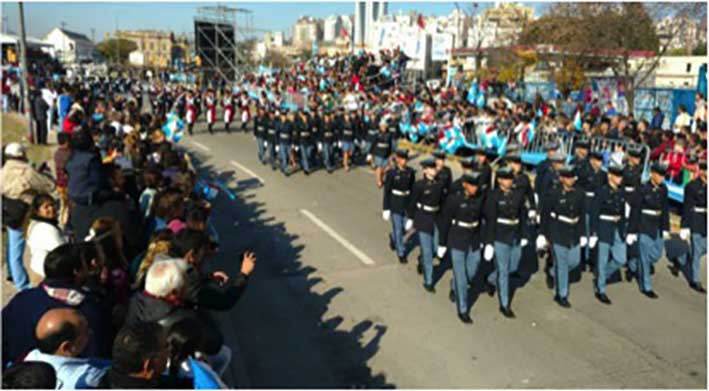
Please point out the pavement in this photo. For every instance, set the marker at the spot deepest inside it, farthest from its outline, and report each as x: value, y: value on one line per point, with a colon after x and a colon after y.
x: 329, y: 306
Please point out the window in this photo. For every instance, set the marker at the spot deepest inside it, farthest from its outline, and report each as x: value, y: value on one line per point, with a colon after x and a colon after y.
x: 152, y: 46
x: 689, y: 67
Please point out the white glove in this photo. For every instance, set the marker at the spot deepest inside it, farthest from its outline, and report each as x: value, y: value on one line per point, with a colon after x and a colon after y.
x: 627, y: 210
x: 592, y: 241
x: 265, y: 144
x: 441, y: 251
x: 386, y: 214
x: 536, y: 198
x: 278, y: 148
x: 369, y: 157
x: 665, y: 235
x: 541, y: 242
x: 488, y: 252
x: 583, y: 242
x: 631, y: 238
x: 408, y: 224
x: 524, y: 242
x: 685, y: 233
x: 319, y: 147
x: 339, y: 144
x: 532, y: 214
x: 297, y: 148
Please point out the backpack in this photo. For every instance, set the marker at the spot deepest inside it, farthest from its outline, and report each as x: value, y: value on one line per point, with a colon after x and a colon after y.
x: 13, y: 212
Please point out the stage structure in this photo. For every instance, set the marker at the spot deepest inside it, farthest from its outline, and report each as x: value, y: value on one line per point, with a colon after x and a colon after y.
x: 220, y: 36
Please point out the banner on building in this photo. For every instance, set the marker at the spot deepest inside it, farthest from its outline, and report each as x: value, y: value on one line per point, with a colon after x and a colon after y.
x: 441, y: 46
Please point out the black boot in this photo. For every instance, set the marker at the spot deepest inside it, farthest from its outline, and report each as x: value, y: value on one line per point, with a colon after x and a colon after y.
x: 209, y: 128
x: 465, y: 318
x: 697, y: 287
x: 226, y: 127
x: 507, y: 313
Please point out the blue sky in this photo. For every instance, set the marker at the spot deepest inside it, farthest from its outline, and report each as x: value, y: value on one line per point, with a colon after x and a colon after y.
x: 40, y: 18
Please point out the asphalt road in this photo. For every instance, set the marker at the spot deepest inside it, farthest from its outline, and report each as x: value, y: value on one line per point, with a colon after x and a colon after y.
x: 329, y: 306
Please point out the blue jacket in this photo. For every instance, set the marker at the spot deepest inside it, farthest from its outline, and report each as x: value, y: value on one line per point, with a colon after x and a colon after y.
x: 85, y: 176
x: 73, y: 373
x: 21, y: 314
x: 657, y: 121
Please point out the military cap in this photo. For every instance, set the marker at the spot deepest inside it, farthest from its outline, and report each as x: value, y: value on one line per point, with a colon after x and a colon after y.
x: 400, y: 152
x: 439, y: 154
x: 505, y: 172
x: 472, y: 178
x: 568, y: 171
x: 597, y: 154
x: 467, y: 163
x: 583, y: 143
x: 558, y: 158
x: 513, y: 157
x: 659, y: 168
x: 551, y: 145
x: 635, y: 151
x: 615, y: 168
x: 428, y: 163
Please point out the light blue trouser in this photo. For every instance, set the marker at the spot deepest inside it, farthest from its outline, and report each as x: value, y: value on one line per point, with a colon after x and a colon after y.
x: 305, y: 151
x: 566, y: 259
x: 15, y: 250
x: 272, y: 153
x: 633, y: 261
x: 327, y: 156
x: 501, y: 276
x: 465, y: 265
x: 515, y: 255
x: 261, y: 149
x: 650, y: 253
x: 397, y: 233
x: 697, y: 249
x: 283, y: 152
x: 587, y: 232
x: 436, y: 238
x: 605, y: 267
x: 426, y: 244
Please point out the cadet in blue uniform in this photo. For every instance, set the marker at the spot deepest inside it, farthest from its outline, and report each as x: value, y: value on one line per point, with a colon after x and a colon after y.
x: 424, y: 206
x: 285, y: 133
x: 483, y: 167
x: 382, y: 151
x: 544, y: 166
x: 466, y: 166
x: 370, y: 138
x: 398, y: 185
x: 260, y: 125
x: 274, y: 123
x: 445, y: 176
x: 649, y: 225
x: 306, y: 143
x: 608, y: 226
x: 461, y: 223
x: 562, y: 224
x: 694, y: 227
x: 347, y: 140
x: 522, y: 184
x: 327, y: 139
x: 504, y: 218
x: 632, y: 180
x: 590, y: 183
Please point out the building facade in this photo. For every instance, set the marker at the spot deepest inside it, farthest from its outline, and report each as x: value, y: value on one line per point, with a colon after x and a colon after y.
x: 680, y: 33
x: 70, y: 47
x: 158, y: 49
x: 499, y: 26
x: 367, y: 13
x: 306, y: 31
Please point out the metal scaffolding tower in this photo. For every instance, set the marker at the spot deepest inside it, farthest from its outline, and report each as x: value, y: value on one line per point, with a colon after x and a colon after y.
x: 220, y: 34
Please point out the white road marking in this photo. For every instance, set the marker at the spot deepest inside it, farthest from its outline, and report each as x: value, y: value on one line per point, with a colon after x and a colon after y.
x: 344, y: 242
x: 200, y: 145
x: 246, y: 170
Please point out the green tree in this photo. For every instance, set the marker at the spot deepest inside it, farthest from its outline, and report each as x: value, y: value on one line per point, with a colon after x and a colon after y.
x: 701, y: 49
x: 275, y: 59
x: 116, y: 50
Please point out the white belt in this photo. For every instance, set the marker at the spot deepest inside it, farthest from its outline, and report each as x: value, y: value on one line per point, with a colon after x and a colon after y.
x: 347, y: 132
x: 427, y: 208
x: 305, y: 134
x: 614, y: 219
x: 508, y: 221
x: 315, y: 130
x: 285, y: 136
x: 629, y: 189
x: 590, y: 194
x: 463, y: 224
x: 383, y: 145
x: 260, y: 128
x: 651, y: 212
x: 327, y: 134
x: 700, y: 210
x: 400, y: 193
x: 568, y: 220
x: 271, y: 131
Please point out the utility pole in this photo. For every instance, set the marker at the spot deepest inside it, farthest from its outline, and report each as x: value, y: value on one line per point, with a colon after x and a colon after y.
x: 93, y: 35
x: 24, y: 79
x: 63, y: 24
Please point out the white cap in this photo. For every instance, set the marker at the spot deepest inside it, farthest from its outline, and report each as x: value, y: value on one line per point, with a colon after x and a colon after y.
x: 16, y: 150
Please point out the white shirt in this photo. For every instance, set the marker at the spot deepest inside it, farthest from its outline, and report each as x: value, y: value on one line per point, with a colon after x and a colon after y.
x: 682, y: 119
x: 42, y: 238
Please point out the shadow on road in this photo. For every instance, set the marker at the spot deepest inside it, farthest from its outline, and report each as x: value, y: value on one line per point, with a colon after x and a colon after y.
x: 285, y: 335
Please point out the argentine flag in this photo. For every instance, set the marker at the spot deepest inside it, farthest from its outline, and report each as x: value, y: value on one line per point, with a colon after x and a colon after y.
x: 473, y: 92
x: 173, y: 128
x: 578, y: 125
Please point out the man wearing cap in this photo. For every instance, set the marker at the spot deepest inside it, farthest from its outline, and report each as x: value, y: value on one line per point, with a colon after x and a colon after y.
x: 522, y: 184
x: 424, y: 206
x: 466, y: 166
x: 17, y: 177
x: 327, y: 139
x: 694, y: 226
x: 607, y: 229
x: 398, y: 184
x: 461, y: 232
x: 273, y: 124
x: 562, y: 223
x: 305, y: 137
x: 649, y: 225
x: 382, y: 151
x: 483, y: 167
x: 284, y: 131
x: 260, y: 132
x: 505, y: 215
x: 445, y: 176
x: 590, y: 183
x: 632, y: 181
x: 543, y: 167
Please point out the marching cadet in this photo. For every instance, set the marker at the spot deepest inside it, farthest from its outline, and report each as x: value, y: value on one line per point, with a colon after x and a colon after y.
x: 285, y: 133
x: 210, y: 101
x: 424, y: 206
x: 581, y: 150
x: 632, y: 180
x: 562, y: 225
x: 274, y: 123
x: 306, y: 141
x: 191, y: 111
x: 260, y: 132
x: 382, y: 151
x: 347, y: 140
x: 398, y: 185
x: 483, y: 167
x: 544, y: 166
x: 444, y: 173
x: 370, y: 138
x: 694, y: 227
x: 327, y: 140
x: 228, y: 107
x: 505, y: 214
x: 293, y: 120
x: 649, y: 225
x: 522, y: 184
x: 590, y: 183
x: 245, y: 109
x: 461, y: 233
x: 466, y: 166
x: 608, y: 226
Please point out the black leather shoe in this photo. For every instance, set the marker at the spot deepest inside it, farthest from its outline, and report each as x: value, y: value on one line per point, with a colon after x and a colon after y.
x: 603, y: 298
x: 550, y: 281
x: 628, y: 275
x: 489, y: 288
x: 451, y: 296
x: 516, y: 275
x: 650, y: 294
x: 429, y: 288
x: 564, y: 302
x: 306, y: 172
x: 391, y: 243
x: 507, y: 313
x: 403, y: 260
x: 674, y: 269
x: 419, y: 268
x: 465, y: 318
x: 697, y: 287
